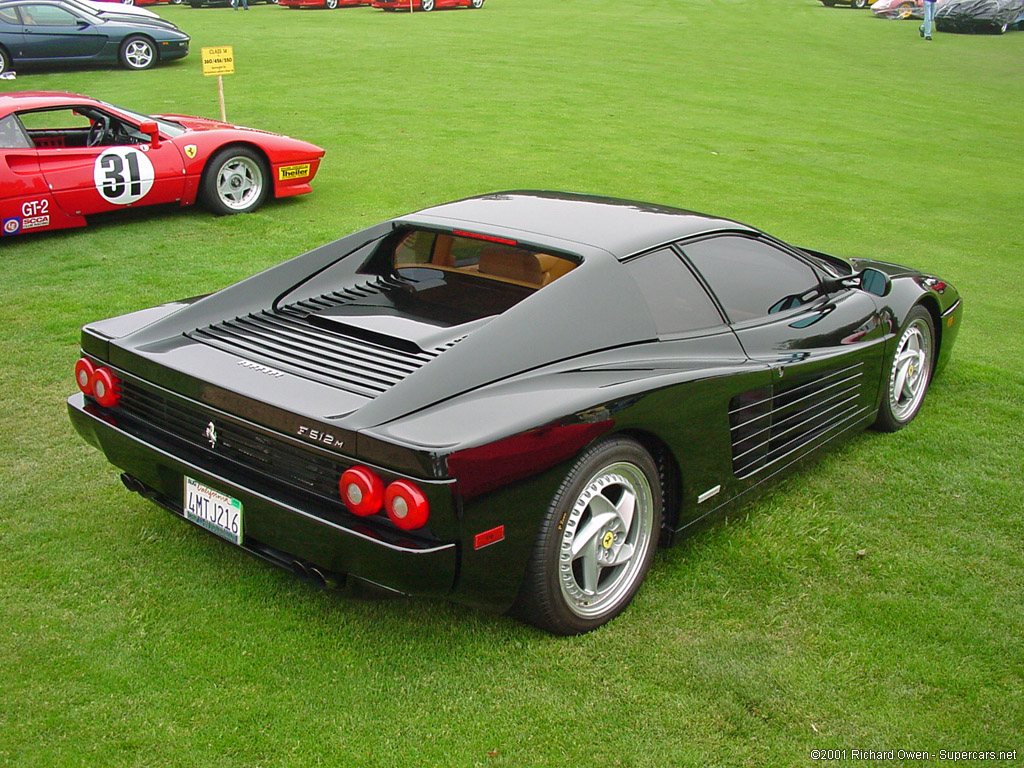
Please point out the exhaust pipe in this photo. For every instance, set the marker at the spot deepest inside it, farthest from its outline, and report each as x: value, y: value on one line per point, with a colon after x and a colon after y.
x: 325, y: 578
x: 133, y: 484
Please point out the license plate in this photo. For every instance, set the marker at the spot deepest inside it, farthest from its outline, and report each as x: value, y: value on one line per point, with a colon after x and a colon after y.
x: 213, y: 510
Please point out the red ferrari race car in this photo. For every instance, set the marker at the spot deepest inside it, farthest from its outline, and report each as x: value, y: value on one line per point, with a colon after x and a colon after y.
x: 64, y: 157
x: 425, y: 5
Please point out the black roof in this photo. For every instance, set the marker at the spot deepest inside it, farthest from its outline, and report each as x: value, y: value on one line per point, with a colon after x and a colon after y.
x: 621, y: 227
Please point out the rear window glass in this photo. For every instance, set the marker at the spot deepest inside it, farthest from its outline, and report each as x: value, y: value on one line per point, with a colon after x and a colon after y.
x: 417, y: 250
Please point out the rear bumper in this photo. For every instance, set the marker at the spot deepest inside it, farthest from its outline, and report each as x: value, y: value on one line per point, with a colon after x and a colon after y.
x: 274, y: 528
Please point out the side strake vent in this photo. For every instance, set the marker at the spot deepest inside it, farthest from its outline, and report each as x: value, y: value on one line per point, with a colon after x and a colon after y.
x: 777, y: 426
x: 285, y: 339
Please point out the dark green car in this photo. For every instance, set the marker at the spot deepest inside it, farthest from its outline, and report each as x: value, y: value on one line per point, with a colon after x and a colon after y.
x: 47, y: 32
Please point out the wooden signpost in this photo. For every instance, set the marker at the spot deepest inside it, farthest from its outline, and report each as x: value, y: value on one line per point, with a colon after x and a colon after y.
x: 219, y: 61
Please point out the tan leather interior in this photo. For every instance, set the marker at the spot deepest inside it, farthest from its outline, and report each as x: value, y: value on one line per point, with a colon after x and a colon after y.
x: 537, y: 269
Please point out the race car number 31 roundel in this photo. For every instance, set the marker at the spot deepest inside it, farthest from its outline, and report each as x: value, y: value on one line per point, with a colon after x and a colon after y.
x: 123, y: 175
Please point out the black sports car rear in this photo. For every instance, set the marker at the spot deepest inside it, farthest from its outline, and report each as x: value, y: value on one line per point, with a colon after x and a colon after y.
x: 508, y: 400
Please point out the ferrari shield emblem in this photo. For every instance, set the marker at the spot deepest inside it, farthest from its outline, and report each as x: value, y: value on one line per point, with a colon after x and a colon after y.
x: 190, y: 151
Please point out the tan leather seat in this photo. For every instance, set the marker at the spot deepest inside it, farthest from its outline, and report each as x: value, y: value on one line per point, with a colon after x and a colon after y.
x: 537, y: 269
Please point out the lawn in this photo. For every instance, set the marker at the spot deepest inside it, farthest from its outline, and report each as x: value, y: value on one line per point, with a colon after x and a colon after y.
x: 129, y: 638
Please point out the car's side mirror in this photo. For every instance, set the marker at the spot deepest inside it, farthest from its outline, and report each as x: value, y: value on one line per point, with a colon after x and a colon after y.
x: 151, y: 129
x: 875, y: 281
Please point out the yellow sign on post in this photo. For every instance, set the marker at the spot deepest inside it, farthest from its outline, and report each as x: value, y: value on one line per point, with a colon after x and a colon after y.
x: 219, y: 60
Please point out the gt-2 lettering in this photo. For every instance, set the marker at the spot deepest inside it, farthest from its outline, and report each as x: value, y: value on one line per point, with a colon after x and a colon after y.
x: 35, y: 208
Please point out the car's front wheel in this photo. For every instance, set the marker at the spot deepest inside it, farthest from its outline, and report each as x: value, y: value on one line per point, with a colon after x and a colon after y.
x: 910, y: 372
x: 427, y: 5
x: 236, y: 180
x: 476, y: 3
x: 5, y: 60
x: 138, y: 52
x: 330, y: 4
x: 596, y: 541
x: 860, y: 3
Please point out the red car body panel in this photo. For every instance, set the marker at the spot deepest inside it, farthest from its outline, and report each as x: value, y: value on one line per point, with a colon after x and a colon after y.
x: 49, y: 186
x: 400, y: 5
x: 318, y: 3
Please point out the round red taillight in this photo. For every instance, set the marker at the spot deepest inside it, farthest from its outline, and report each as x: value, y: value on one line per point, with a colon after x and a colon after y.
x: 84, y: 371
x: 105, y: 387
x: 406, y: 505
x: 362, y: 491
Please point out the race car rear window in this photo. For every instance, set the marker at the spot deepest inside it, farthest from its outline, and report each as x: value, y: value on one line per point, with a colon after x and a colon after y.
x: 495, y: 259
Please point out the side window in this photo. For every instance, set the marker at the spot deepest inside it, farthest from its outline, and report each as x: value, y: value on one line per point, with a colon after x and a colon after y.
x: 12, y: 135
x: 752, y: 278
x: 677, y: 301
x: 47, y: 16
x: 9, y: 15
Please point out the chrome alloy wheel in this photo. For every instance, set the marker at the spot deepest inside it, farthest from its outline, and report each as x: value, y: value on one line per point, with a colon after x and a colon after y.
x: 604, y: 543
x: 911, y: 367
x: 239, y: 182
x: 138, y: 54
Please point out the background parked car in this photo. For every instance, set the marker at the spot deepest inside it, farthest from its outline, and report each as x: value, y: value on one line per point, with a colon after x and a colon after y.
x: 425, y: 5
x: 898, y: 9
x: 854, y: 3
x: 57, y: 32
x: 978, y: 16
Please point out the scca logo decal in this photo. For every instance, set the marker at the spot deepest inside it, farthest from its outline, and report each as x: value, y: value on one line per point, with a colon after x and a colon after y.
x: 11, y: 226
x: 123, y: 175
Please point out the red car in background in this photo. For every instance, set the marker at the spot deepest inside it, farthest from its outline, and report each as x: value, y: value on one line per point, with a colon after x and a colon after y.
x: 328, y: 4
x: 64, y: 157
x: 425, y: 5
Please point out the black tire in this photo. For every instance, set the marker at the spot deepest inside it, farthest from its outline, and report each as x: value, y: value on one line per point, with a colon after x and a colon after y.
x: 860, y: 3
x: 910, y: 372
x: 427, y: 5
x: 236, y: 180
x: 138, y: 53
x: 5, y: 60
x: 589, y: 560
x: 476, y: 4
x: 330, y: 5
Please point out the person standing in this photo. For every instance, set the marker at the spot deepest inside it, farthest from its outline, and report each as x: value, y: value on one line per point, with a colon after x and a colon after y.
x: 929, y: 19
x: 245, y: 5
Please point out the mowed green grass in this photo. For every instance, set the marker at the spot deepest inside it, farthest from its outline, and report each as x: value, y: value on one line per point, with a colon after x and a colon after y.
x: 128, y: 638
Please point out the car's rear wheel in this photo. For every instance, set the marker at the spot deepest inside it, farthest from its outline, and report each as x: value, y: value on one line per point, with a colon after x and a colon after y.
x: 5, y: 60
x: 138, y: 52
x: 427, y: 5
x: 128, y: 2
x: 596, y: 541
x: 236, y: 180
x: 860, y: 3
x: 910, y: 372
x: 330, y: 4
x: 476, y: 3
x: 904, y: 11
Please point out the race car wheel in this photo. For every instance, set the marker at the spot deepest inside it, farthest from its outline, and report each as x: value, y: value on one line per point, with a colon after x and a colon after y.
x: 5, y: 60
x: 904, y: 11
x: 596, y: 541
x: 910, y: 372
x: 427, y: 5
x: 138, y: 52
x: 476, y: 3
x: 860, y: 3
x: 330, y: 4
x: 128, y: 2
x: 236, y: 180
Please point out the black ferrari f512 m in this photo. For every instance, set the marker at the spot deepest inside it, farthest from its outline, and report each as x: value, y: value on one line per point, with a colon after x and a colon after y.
x: 509, y: 400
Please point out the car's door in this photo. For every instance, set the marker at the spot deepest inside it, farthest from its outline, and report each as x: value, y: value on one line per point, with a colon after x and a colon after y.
x: 11, y: 36
x: 87, y: 180
x: 53, y: 32
x: 824, y: 348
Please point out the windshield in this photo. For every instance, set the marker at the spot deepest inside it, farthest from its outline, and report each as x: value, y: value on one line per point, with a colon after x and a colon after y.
x: 166, y: 126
